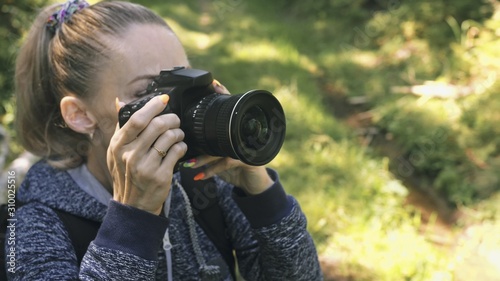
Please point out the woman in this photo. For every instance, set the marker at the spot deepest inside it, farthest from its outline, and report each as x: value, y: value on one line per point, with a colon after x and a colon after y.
x: 79, y: 64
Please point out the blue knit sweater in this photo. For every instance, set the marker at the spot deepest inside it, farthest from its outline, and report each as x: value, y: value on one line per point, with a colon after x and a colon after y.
x: 268, y: 233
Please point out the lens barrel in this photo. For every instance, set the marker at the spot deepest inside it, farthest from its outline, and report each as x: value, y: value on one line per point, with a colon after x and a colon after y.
x: 250, y: 127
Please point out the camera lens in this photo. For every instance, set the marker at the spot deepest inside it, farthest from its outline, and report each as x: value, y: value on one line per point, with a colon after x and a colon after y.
x: 254, y: 128
x: 249, y: 127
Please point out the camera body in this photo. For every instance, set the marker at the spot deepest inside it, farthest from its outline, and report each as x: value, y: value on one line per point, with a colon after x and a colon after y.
x: 175, y: 82
x: 249, y: 127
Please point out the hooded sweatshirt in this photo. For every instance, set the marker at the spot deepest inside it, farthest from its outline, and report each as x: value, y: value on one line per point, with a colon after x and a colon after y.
x: 267, y: 231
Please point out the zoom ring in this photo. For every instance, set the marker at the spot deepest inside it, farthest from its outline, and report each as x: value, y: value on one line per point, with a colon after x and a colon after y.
x: 223, y: 130
x: 199, y: 120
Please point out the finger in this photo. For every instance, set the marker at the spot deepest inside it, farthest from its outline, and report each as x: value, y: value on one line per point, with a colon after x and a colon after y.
x: 164, y: 143
x: 175, y: 153
x: 158, y: 126
x: 111, y: 151
x: 218, y: 167
x: 118, y: 104
x: 141, y: 118
x: 200, y: 161
x: 219, y: 88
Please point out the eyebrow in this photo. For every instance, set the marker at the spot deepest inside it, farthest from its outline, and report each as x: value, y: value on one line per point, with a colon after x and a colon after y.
x: 141, y: 77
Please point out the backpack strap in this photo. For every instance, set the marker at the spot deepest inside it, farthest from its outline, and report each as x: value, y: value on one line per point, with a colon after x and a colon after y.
x: 81, y: 232
x: 207, y: 212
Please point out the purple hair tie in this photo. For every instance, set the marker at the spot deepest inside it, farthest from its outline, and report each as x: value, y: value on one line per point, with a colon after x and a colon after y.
x: 64, y: 13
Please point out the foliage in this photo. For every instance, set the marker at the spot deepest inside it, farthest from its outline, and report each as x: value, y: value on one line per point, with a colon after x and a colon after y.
x: 434, y: 146
x: 453, y: 143
x: 15, y: 18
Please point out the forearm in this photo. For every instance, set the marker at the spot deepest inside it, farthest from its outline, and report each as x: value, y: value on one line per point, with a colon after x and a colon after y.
x: 284, y: 250
x: 290, y: 250
x: 101, y: 263
x: 126, y: 246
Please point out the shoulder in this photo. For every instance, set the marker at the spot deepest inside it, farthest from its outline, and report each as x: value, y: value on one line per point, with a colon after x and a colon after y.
x: 36, y: 214
x: 41, y: 168
x: 38, y: 226
x: 42, y: 172
x: 42, y: 177
x: 40, y: 236
x: 56, y: 189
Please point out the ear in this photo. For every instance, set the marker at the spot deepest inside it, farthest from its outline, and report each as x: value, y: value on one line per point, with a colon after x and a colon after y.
x: 77, y: 117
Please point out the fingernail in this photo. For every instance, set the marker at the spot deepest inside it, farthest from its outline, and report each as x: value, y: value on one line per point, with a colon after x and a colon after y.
x: 164, y: 98
x: 117, y: 104
x: 189, y: 163
x: 199, y: 176
x: 216, y: 83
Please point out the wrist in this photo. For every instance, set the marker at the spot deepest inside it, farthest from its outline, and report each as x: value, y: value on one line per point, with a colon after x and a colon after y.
x: 131, y: 230
x: 144, y: 206
x: 266, y: 208
x: 262, y: 182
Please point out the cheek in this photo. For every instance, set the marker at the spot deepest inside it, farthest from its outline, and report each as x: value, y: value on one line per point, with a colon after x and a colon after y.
x: 106, y: 125
x: 102, y: 137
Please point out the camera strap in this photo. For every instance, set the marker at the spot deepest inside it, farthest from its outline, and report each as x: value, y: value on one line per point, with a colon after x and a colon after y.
x: 208, y: 213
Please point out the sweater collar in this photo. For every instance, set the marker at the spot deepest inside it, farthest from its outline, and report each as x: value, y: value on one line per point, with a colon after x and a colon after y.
x: 56, y: 189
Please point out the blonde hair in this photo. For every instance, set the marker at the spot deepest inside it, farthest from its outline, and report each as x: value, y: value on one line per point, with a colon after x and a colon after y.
x: 51, y: 65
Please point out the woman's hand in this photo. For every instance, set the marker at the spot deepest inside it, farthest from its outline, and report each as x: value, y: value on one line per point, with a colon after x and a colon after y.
x: 142, y: 155
x: 253, y: 179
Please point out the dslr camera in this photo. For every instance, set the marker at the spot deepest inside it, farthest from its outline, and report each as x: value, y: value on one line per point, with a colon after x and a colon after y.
x: 249, y: 126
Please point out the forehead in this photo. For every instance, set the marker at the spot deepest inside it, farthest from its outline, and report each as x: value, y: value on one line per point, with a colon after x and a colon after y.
x: 145, y: 49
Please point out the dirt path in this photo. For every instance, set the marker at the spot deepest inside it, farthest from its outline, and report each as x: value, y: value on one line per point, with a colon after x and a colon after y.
x: 355, y: 114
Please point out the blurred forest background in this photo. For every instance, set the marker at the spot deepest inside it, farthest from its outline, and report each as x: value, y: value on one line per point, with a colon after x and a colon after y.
x: 393, y: 111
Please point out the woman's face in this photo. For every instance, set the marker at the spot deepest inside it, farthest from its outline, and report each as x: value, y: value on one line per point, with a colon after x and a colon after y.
x: 135, y: 59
